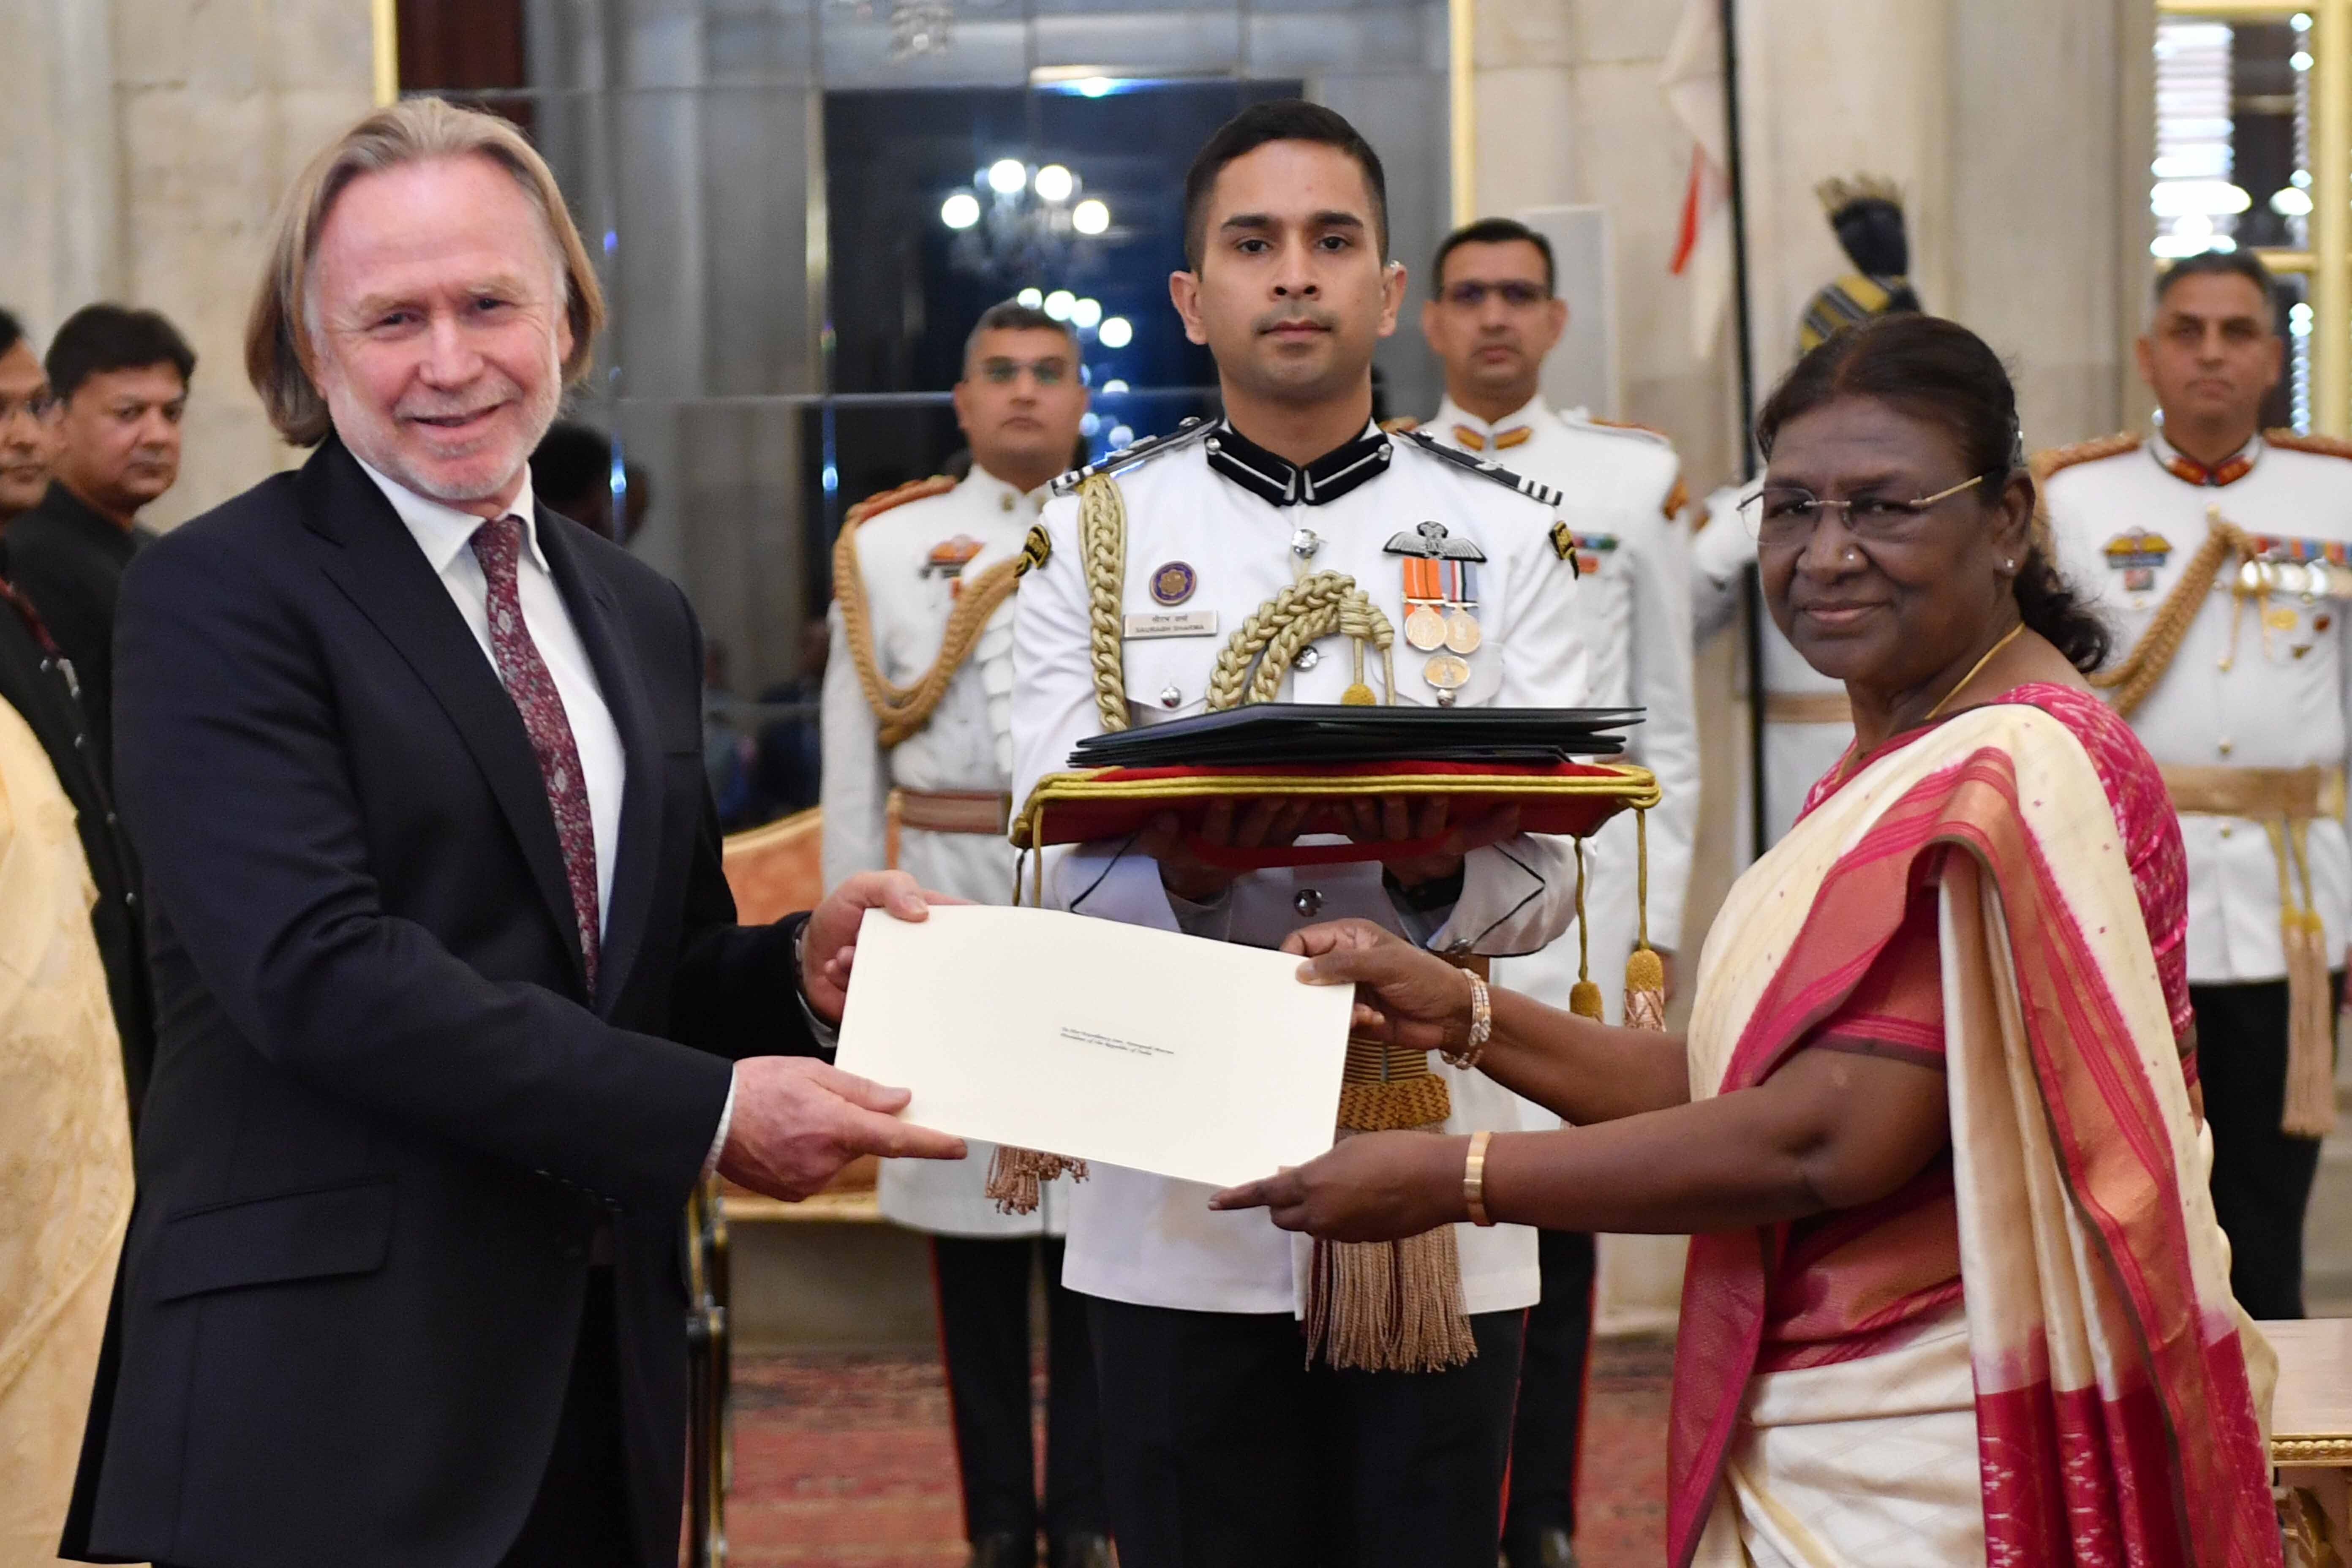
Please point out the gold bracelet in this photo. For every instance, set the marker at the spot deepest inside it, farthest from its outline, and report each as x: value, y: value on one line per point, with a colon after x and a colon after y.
x: 1482, y: 1025
x: 1474, y: 1179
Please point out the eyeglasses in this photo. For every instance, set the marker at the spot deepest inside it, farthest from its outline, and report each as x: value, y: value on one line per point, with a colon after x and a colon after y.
x: 1514, y: 292
x: 1005, y: 371
x: 38, y: 408
x: 1781, y: 516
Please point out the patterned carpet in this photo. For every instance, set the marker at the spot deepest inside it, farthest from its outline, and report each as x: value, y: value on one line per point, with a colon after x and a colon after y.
x: 844, y: 1459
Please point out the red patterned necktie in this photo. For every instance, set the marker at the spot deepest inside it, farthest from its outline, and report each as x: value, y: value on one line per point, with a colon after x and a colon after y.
x: 497, y: 545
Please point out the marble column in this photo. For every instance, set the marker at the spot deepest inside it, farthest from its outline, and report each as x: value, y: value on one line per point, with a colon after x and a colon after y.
x: 150, y: 143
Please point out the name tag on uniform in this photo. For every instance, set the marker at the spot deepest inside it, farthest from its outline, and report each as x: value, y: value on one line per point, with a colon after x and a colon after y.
x: 1172, y: 624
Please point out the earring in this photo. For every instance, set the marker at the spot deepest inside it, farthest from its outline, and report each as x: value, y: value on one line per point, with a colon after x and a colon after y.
x: 2009, y: 565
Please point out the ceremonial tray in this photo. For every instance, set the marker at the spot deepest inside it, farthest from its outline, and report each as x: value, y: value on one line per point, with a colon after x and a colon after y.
x: 1334, y: 756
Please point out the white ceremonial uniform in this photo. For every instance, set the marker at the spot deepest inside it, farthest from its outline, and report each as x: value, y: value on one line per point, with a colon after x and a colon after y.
x: 912, y: 558
x: 1145, y: 1239
x: 1633, y: 587
x: 2258, y: 681
x: 1807, y: 726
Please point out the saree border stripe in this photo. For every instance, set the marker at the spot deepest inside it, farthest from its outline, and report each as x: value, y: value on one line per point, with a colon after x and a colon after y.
x: 2114, y: 1420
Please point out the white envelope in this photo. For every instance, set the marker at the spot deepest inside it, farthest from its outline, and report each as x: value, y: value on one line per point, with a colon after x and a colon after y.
x: 1170, y: 1054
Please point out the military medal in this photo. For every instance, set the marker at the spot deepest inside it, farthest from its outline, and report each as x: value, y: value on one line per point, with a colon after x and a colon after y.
x: 1440, y: 594
x: 1424, y: 623
x: 1448, y: 673
x: 1461, y: 585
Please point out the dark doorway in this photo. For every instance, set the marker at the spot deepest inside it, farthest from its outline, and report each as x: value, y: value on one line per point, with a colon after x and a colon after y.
x: 905, y: 287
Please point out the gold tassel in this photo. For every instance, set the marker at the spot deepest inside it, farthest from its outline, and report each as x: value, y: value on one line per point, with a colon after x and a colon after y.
x: 1645, y: 971
x: 1389, y: 1306
x: 2310, y: 1108
x: 1017, y: 1177
x: 1585, y: 997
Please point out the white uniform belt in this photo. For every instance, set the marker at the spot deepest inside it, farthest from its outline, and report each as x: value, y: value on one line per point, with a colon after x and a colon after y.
x: 2286, y: 802
x: 986, y: 812
x: 2266, y: 794
x: 1807, y: 708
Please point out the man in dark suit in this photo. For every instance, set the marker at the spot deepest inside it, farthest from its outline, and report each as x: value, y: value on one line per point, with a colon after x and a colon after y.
x: 448, y: 971
x: 121, y: 377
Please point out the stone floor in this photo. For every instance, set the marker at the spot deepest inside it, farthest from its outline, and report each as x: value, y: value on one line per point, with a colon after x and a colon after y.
x: 842, y: 1458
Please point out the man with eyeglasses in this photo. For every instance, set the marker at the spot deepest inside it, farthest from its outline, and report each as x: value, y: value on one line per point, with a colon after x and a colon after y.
x: 1495, y: 314
x: 917, y: 717
x: 28, y: 431
x: 2222, y: 555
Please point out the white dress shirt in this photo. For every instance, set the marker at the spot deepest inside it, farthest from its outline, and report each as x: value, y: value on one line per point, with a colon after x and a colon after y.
x: 446, y: 535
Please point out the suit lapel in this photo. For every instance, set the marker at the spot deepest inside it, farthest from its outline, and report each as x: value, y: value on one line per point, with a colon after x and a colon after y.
x: 383, y: 572
x: 617, y: 660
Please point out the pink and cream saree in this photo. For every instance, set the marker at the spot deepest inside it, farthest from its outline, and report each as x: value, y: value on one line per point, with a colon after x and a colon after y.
x: 2083, y: 1396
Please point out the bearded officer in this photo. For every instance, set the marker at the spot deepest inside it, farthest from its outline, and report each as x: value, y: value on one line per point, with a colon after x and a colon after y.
x: 917, y: 713
x: 1493, y: 314
x: 2220, y: 556
x: 1225, y: 1446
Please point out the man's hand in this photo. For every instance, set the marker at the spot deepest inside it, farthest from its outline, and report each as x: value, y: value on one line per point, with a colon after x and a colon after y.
x: 830, y: 942
x: 798, y: 1121
x: 1392, y: 819
x: 1375, y: 1186
x: 1270, y: 821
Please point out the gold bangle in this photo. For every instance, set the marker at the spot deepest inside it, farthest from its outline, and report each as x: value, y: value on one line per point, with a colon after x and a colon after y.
x: 1474, y: 1179
x: 1482, y: 1025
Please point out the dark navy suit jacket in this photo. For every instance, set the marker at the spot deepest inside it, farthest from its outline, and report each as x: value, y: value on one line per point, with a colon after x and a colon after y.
x: 387, y: 1117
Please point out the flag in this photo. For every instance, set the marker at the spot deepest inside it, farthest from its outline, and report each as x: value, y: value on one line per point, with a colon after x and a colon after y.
x: 1692, y: 80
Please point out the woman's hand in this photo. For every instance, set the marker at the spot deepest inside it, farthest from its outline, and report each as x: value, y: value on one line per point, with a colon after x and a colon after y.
x: 1374, y: 1186
x: 1404, y: 995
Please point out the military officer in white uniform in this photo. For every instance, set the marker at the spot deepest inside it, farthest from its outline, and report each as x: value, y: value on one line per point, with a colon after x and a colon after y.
x: 1493, y: 314
x: 918, y: 711
x: 1224, y: 1448
x: 2232, y: 664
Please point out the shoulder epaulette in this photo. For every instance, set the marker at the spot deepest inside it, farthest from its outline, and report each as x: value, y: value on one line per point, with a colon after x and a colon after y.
x: 1143, y: 452
x: 2051, y: 459
x: 1400, y: 425
x: 2295, y: 441
x: 1625, y: 427
x: 874, y: 506
x: 1486, y: 468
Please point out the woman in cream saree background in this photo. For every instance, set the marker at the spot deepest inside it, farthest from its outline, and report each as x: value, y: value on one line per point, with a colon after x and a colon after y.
x: 1956, y: 1292
x: 65, y: 1149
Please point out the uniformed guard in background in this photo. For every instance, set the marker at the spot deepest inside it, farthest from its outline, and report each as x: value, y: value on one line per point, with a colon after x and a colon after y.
x: 1494, y: 314
x: 2224, y: 559
x: 917, y: 726
x: 1231, y: 1441
x: 1806, y: 724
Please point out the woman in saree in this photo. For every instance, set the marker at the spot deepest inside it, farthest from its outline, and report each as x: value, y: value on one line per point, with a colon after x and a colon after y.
x: 1955, y: 1291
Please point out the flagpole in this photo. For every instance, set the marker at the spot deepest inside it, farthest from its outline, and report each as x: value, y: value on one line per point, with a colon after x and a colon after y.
x: 1751, y: 582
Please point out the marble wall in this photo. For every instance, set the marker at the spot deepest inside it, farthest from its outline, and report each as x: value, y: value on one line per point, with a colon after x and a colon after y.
x: 147, y: 145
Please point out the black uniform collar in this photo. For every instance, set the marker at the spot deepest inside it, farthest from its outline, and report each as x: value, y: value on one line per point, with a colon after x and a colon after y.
x: 1278, y: 481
